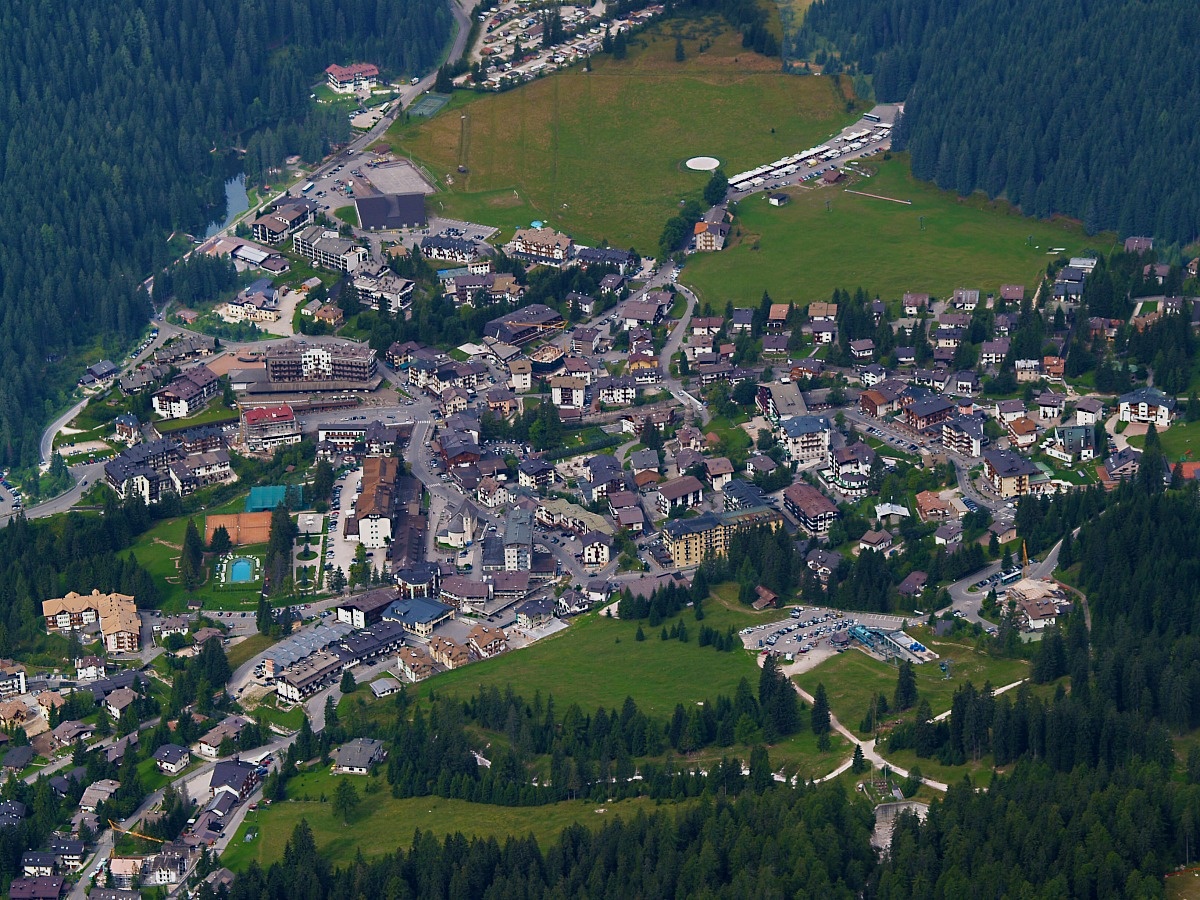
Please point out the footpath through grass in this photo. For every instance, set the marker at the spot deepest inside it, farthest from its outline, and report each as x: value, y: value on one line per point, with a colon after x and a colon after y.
x: 853, y: 679
x: 802, y: 251
x: 600, y: 154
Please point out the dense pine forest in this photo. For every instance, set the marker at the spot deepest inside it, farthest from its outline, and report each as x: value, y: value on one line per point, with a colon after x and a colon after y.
x: 116, y: 127
x: 1076, y: 108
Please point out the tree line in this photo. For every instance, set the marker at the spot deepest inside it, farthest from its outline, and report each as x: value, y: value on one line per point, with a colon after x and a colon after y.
x: 802, y: 843
x: 1119, y: 112
x: 117, y: 126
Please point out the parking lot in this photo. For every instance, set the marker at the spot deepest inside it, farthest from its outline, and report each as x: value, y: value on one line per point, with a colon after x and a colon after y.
x: 807, y: 630
x: 866, y: 137
x: 339, y: 552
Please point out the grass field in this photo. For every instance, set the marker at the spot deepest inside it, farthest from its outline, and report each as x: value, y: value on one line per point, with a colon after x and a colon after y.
x: 598, y: 661
x: 852, y: 679
x: 801, y: 252
x: 1179, y: 442
x: 382, y: 823
x: 600, y: 154
x: 246, y: 650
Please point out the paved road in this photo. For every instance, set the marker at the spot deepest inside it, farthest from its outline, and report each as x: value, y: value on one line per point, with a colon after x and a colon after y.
x: 47, y: 443
x: 968, y: 602
x: 868, y: 747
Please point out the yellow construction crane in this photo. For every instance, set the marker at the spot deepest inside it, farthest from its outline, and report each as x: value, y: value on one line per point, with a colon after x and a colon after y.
x: 137, y: 834
x: 1024, y: 559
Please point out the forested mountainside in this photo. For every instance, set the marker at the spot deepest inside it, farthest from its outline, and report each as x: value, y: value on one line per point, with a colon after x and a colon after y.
x: 115, y: 119
x: 1085, y: 109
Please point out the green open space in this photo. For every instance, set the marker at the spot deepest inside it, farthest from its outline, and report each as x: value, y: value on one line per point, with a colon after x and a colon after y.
x: 245, y: 650
x: 158, y: 551
x: 382, y: 823
x: 214, y: 413
x: 853, y: 679
x: 598, y: 661
x: 348, y: 214
x: 1179, y: 442
x: 802, y: 251
x: 600, y: 154
x: 980, y: 771
x: 270, y: 712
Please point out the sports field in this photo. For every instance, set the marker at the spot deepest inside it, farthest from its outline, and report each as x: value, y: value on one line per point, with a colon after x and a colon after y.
x: 802, y: 251
x: 600, y: 154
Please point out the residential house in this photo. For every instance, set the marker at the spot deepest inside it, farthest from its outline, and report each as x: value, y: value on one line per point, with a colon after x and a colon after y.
x: 879, y: 541
x: 521, y: 375
x: 1050, y: 405
x: 357, y: 757
x: 487, y: 640
x: 1121, y: 465
x: 924, y: 413
x: 567, y: 392
x: 862, y: 349
x: 535, y: 612
x: 1022, y: 433
x: 914, y: 303
x: 1008, y: 472
x: 811, y: 509
x: 719, y: 472
x: 597, y: 549
x: 824, y: 563
x: 187, y: 394
x: 931, y: 507
x: 1148, y: 405
x: 234, y: 776
x: 230, y: 728
x: 172, y: 759
x: 448, y: 653
x: 963, y: 435
x: 1089, y: 411
x: 1009, y: 411
x: 993, y: 353
x: 679, y: 493
x: 913, y: 584
x: 1071, y: 444
x: 965, y: 299
x: 415, y: 663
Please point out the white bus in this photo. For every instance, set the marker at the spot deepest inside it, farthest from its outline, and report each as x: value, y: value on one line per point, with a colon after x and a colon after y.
x: 308, y: 187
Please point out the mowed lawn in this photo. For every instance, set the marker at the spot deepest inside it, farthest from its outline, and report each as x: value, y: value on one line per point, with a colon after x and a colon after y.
x: 853, y: 679
x: 382, y: 823
x: 1179, y: 442
x: 802, y: 252
x: 597, y: 661
x: 600, y: 154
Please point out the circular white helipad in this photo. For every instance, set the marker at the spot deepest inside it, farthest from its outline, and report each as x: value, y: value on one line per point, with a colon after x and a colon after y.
x: 703, y: 163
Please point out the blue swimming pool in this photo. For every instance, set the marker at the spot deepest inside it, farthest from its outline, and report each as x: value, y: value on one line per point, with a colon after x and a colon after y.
x: 241, y: 570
